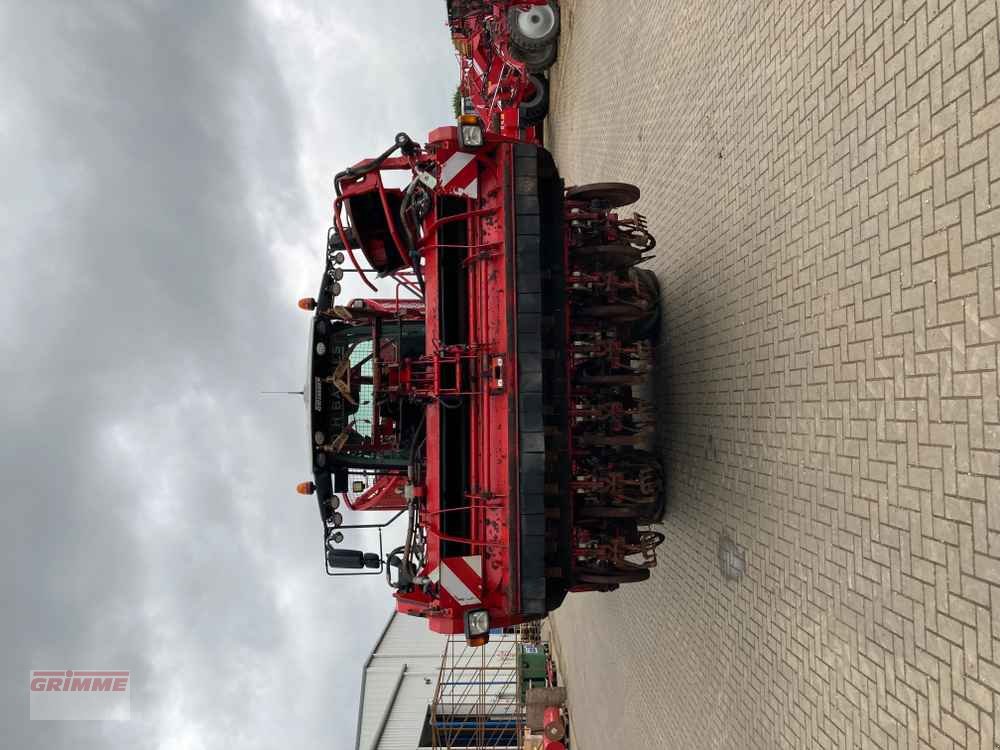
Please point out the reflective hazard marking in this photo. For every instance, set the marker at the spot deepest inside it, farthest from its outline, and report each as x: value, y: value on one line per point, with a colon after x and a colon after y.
x: 459, y: 173
x: 455, y: 164
x: 461, y: 578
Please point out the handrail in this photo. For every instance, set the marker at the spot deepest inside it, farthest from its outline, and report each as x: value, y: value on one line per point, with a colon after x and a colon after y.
x: 434, y: 225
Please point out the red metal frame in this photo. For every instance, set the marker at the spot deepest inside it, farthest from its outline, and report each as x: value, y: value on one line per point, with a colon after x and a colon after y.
x: 490, y: 76
x: 349, y: 187
x: 385, y: 494
x: 485, y: 360
x: 560, y: 505
x: 490, y: 406
x: 481, y: 372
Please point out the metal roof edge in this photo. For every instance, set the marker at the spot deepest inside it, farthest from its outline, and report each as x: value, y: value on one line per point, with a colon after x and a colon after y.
x: 364, y: 674
x: 384, y: 719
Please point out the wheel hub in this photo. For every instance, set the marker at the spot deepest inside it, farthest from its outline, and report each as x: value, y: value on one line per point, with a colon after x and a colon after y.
x: 537, y: 22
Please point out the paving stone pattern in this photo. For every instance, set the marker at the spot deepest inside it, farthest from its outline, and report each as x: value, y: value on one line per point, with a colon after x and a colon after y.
x: 824, y: 182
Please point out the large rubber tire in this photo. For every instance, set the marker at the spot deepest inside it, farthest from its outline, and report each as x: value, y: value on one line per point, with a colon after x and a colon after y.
x: 610, y: 511
x: 649, y: 328
x: 534, y: 28
x: 604, y: 577
x: 655, y: 511
x: 610, y: 257
x: 537, y: 61
x: 534, y: 110
x: 621, y: 313
x: 614, y: 194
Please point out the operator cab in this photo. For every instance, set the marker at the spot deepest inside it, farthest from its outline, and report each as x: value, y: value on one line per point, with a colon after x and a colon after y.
x: 359, y: 433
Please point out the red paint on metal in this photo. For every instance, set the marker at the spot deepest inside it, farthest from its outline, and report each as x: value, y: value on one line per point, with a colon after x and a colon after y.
x: 490, y: 75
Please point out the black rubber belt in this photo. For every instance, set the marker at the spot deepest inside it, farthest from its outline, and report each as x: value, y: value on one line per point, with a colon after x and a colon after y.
x: 531, y: 434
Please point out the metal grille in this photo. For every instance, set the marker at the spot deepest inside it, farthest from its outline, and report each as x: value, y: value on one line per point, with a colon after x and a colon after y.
x: 479, y: 700
x: 360, y: 481
x: 362, y: 352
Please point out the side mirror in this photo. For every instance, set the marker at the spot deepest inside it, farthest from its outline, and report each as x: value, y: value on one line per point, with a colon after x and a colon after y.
x: 352, y: 559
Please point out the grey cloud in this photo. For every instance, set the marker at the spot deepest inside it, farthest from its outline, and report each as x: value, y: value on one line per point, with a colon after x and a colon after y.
x: 145, y: 485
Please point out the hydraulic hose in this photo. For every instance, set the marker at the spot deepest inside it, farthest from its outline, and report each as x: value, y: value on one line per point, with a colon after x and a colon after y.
x: 411, y: 248
x: 403, y: 141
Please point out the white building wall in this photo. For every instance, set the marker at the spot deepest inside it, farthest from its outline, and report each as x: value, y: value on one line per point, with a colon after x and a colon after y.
x: 478, y: 678
x: 402, y: 730
x: 398, y: 685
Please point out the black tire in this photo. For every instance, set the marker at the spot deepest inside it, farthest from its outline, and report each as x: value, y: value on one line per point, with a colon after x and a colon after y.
x: 656, y: 510
x: 537, y: 61
x: 541, y: 26
x: 534, y: 109
x: 621, y: 313
x: 607, y: 576
x: 649, y: 328
x: 610, y: 257
x: 610, y: 511
x: 614, y: 194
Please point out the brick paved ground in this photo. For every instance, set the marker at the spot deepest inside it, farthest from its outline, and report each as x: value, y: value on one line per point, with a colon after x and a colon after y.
x: 824, y: 181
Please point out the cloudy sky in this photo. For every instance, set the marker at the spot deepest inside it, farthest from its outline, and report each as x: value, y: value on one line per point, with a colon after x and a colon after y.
x: 165, y: 196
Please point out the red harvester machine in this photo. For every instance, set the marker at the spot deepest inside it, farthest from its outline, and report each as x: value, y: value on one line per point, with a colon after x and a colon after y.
x: 504, y: 48
x: 494, y: 396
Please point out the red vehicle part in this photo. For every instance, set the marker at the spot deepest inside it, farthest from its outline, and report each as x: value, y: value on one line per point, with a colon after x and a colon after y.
x: 504, y: 84
x: 555, y: 729
x: 497, y: 404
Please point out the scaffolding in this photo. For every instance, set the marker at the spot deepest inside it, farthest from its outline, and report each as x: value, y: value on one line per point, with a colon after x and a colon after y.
x: 479, y: 698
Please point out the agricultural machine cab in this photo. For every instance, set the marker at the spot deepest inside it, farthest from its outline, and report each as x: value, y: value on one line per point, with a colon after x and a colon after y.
x: 362, y: 436
x: 362, y: 433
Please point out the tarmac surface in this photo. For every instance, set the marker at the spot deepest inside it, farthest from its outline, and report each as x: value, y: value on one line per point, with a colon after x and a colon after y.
x: 823, y: 179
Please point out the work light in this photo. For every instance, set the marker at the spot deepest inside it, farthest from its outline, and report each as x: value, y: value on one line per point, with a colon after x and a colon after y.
x: 470, y: 132
x: 477, y: 627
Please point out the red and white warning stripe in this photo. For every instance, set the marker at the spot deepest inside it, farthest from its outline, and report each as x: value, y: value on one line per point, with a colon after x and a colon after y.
x: 461, y: 578
x: 460, y: 174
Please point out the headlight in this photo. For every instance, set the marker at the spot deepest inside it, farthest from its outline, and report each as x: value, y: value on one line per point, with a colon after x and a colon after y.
x: 477, y: 627
x: 470, y: 136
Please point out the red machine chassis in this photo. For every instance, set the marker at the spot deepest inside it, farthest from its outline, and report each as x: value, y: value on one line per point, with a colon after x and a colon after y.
x: 491, y: 75
x: 529, y: 300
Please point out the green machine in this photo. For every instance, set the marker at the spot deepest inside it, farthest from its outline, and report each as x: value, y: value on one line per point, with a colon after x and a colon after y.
x: 531, y: 662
